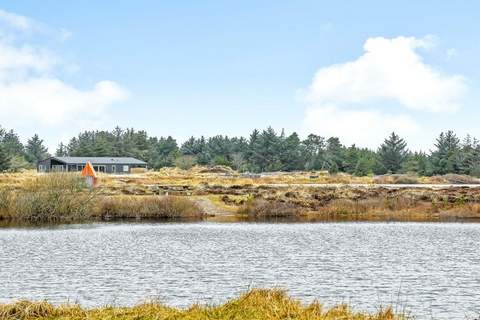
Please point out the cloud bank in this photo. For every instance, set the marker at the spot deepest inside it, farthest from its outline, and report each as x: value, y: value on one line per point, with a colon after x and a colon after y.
x: 31, y: 88
x: 349, y: 99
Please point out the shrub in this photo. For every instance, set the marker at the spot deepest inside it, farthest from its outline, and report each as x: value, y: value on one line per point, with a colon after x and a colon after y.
x: 460, y: 179
x: 265, y: 208
x: 185, y: 162
x: 147, y: 207
x: 51, y: 198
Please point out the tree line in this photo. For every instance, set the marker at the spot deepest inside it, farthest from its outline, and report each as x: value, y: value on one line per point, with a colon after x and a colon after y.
x: 262, y: 151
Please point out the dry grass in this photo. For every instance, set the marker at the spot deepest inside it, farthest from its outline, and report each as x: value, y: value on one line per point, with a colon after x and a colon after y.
x: 260, y: 208
x: 64, y: 197
x: 146, y: 207
x: 48, y: 198
x: 255, y: 304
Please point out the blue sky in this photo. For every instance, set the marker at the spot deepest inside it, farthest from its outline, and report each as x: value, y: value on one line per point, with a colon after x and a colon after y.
x: 187, y: 68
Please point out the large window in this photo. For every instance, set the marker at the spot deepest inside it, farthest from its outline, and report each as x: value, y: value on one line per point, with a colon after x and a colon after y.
x: 99, y: 168
x: 125, y: 168
x: 58, y: 168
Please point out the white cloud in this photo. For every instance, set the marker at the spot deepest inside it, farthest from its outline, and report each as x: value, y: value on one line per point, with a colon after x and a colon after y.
x: 16, y: 21
x: 389, y: 70
x: 384, y: 90
x: 32, y: 91
x: 361, y: 127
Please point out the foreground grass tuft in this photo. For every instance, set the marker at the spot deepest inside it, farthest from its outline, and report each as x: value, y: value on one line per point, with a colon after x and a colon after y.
x: 255, y: 304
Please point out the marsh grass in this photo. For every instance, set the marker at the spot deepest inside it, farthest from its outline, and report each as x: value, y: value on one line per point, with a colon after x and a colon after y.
x: 64, y: 197
x: 146, y: 207
x: 258, y: 208
x: 255, y: 304
x: 48, y: 198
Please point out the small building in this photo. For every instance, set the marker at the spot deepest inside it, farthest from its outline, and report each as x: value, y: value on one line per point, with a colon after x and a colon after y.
x: 100, y: 164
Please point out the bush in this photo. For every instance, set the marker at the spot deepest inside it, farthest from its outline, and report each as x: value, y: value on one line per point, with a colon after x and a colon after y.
x: 264, y: 208
x: 51, y: 198
x: 460, y: 179
x: 147, y: 207
x: 185, y: 162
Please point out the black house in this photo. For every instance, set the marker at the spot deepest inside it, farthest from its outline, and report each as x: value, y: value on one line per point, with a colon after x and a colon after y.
x: 100, y: 164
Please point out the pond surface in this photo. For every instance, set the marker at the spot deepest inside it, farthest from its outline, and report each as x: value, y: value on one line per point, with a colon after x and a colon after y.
x: 432, y: 270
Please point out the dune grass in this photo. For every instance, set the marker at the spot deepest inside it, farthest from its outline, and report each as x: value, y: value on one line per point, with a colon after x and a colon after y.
x: 48, y: 198
x: 255, y: 304
x: 261, y: 208
x: 64, y: 197
x: 146, y: 207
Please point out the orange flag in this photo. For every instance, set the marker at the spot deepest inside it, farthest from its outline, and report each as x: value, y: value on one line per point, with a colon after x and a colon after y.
x: 88, y: 171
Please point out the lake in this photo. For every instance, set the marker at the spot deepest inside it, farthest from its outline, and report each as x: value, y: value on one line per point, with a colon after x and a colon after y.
x: 428, y: 269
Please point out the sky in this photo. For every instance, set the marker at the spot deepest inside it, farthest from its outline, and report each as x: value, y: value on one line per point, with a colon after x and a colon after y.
x: 353, y: 69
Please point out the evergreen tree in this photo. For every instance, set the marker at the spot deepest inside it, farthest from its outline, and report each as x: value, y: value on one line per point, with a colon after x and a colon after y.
x: 445, y: 158
x: 418, y: 163
x: 4, y: 159
x: 313, y: 149
x: 334, y: 154
x: 11, y: 143
x: 61, y: 150
x: 392, y: 153
x: 35, y: 150
x: 291, y: 156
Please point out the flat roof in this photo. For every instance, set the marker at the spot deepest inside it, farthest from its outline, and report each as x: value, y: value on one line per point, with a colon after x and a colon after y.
x: 98, y: 160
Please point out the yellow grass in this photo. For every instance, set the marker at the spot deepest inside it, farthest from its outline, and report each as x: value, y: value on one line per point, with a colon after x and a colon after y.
x: 255, y: 304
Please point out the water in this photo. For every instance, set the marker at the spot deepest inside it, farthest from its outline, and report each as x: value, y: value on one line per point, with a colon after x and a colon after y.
x: 431, y: 269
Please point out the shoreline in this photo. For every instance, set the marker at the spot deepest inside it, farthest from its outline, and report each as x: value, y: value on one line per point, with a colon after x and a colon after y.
x: 62, y: 198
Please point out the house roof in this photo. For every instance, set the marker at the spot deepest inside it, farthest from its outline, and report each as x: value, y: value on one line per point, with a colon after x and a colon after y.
x: 99, y: 160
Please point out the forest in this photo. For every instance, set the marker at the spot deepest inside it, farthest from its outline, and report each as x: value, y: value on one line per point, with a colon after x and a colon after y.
x: 263, y: 151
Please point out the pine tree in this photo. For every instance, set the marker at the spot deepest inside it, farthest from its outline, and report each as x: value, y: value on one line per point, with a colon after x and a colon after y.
x: 4, y: 159
x: 35, y: 150
x: 334, y: 154
x: 445, y: 159
x: 61, y: 150
x: 392, y: 153
x: 313, y: 149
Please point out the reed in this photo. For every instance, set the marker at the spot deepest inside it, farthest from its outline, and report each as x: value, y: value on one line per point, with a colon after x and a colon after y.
x: 146, y: 207
x: 260, y: 208
x: 48, y: 198
x: 255, y: 304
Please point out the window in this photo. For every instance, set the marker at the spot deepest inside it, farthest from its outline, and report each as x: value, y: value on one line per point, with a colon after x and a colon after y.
x: 99, y: 168
x: 42, y: 168
x: 125, y: 168
x: 114, y: 168
x: 58, y: 168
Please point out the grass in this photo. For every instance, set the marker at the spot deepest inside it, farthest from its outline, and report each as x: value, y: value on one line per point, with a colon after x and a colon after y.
x: 255, y: 304
x: 64, y: 197
x: 53, y: 198
x: 48, y: 198
x: 261, y: 208
x: 146, y: 207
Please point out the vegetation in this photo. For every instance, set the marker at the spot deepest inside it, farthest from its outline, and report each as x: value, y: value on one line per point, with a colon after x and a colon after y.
x: 64, y: 197
x: 147, y: 207
x: 260, y: 208
x: 49, y: 198
x: 262, y: 151
x: 255, y: 304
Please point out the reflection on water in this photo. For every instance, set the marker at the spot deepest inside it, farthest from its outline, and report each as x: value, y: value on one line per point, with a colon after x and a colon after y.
x: 429, y: 269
